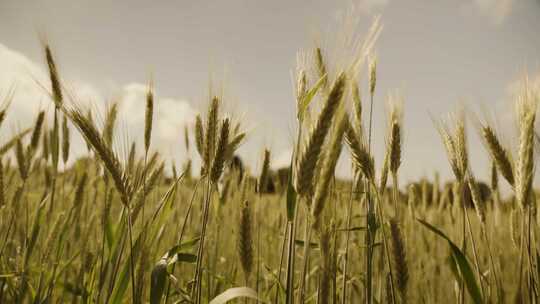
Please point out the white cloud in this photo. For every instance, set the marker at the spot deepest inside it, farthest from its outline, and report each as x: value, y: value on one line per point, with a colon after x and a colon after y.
x: 30, y: 83
x: 170, y: 117
x: 496, y: 10
x: 19, y: 73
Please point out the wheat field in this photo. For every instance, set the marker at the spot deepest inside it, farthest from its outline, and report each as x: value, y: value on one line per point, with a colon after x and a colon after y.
x: 118, y: 227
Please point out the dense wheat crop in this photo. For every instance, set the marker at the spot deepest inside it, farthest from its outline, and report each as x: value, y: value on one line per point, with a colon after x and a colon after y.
x: 112, y: 227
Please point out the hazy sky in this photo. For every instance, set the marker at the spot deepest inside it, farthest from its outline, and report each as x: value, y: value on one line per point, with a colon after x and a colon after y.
x: 437, y: 53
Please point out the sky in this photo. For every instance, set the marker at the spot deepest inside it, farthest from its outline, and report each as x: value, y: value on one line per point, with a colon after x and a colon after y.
x: 439, y: 54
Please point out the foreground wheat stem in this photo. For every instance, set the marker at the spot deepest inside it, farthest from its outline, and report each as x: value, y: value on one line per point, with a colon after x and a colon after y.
x: 200, y: 252
x: 290, y: 258
x: 182, y: 231
x: 307, y: 241
x: 369, y: 206
x: 385, y: 242
x: 347, y: 240
x: 131, y: 260
x: 281, y: 258
x: 292, y: 227
x: 475, y: 254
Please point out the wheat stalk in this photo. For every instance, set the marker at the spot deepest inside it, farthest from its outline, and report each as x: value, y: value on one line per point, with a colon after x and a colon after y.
x: 310, y: 156
x: 328, y: 170
x: 211, y: 132
x: 199, y: 136
x: 245, y: 240
x: 361, y: 158
x: 499, y: 154
x: 102, y: 149
x: 220, y: 157
x: 400, y: 259
x: 65, y: 140
x: 148, y: 116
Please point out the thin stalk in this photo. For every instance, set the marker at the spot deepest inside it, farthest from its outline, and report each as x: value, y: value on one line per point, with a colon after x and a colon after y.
x: 181, y: 236
x: 369, y: 207
x: 200, y: 252
x: 102, y: 250
x: 492, y: 262
x: 283, y: 243
x: 464, y: 241
x: 475, y: 255
x: 131, y: 261
x: 529, y: 255
x: 55, y: 164
x: 347, y: 240
x: 290, y: 257
x: 521, y: 246
x: 292, y: 229
x: 258, y: 271
x: 307, y: 240
x: 369, y: 246
x: 116, y: 265
x: 385, y: 243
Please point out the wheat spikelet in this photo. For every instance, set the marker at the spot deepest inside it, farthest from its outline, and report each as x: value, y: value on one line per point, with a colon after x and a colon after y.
x: 476, y: 198
x: 131, y: 157
x: 54, y: 77
x: 357, y: 103
x: 263, y: 178
x: 211, y: 132
x: 384, y: 172
x: 362, y: 160
x: 395, y: 137
x: 372, y: 75
x: 312, y: 151
x: 90, y: 118
x: 186, y: 138
x: 494, y: 177
x: 36, y: 133
x: 110, y: 123
x: 301, y: 87
x: 499, y: 154
x: 219, y: 158
x: 55, y: 141
x: 245, y: 240
x: 2, y: 116
x: 149, y: 113
x: 525, y: 162
x: 45, y: 145
x: 328, y: 170
x: 321, y: 66
x: 461, y: 142
x: 199, y: 136
x: 451, y: 150
x: 400, y: 260
x: 21, y: 160
x: 65, y: 140
x: 103, y: 150
x: 187, y: 169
